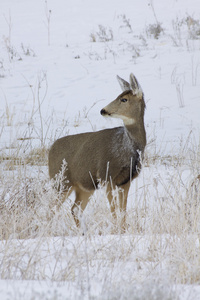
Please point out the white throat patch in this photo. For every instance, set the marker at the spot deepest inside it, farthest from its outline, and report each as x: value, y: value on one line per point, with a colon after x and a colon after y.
x: 128, y: 121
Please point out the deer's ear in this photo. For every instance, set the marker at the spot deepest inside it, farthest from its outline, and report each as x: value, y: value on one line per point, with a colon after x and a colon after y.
x: 125, y: 86
x: 135, y: 86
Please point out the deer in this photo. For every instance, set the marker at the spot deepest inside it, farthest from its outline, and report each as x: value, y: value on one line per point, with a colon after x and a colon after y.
x: 113, y: 156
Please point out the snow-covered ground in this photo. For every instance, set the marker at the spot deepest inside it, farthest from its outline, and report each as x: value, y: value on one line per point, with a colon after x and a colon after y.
x: 58, y: 67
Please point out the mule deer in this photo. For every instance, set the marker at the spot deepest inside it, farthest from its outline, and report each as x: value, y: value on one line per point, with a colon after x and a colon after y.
x: 111, y: 155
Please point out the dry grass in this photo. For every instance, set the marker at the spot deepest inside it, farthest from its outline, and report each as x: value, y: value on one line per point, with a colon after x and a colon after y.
x: 162, y: 238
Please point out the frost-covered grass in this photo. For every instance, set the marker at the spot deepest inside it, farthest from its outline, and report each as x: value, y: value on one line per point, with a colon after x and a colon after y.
x: 57, y: 70
x: 159, y: 250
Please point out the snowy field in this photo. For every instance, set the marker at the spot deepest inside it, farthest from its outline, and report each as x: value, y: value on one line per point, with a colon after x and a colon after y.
x: 58, y: 66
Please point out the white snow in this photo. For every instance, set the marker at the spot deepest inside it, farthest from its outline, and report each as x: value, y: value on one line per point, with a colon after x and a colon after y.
x: 58, y: 66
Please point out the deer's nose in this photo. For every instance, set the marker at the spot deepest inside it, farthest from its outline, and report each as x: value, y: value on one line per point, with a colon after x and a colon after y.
x: 103, y: 112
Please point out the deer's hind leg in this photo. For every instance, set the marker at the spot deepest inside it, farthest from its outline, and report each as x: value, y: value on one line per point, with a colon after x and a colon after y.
x: 81, y: 201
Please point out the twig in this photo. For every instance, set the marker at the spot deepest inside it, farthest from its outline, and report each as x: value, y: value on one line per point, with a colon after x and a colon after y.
x: 48, y: 16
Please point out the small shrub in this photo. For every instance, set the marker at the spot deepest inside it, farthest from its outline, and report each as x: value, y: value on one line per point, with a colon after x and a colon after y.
x: 27, y: 50
x: 193, y: 28
x: 126, y: 23
x: 13, y: 54
x: 154, y: 30
x: 187, y: 27
x: 104, y: 34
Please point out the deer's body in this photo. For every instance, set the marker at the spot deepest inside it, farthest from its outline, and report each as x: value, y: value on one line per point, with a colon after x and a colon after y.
x: 110, y: 155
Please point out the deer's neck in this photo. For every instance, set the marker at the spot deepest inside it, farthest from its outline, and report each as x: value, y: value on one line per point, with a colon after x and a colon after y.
x: 137, y: 133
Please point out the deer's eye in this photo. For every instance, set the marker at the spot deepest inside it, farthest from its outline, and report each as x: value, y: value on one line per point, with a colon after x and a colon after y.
x: 123, y: 100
